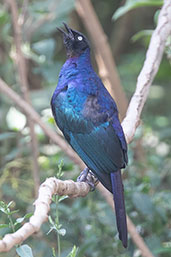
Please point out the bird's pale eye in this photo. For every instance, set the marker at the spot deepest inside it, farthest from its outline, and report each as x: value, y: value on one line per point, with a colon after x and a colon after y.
x: 80, y: 38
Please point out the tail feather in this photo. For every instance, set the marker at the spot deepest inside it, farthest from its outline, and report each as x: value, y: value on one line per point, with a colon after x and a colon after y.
x: 118, y: 196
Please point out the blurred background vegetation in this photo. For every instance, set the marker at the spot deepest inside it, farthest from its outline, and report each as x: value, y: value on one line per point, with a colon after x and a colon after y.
x: 89, y: 222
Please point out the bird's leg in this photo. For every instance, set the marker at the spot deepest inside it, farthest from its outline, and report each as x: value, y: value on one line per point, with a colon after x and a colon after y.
x: 87, y: 176
x: 83, y: 175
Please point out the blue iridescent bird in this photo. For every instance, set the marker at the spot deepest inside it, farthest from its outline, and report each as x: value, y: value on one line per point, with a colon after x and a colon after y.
x: 88, y: 117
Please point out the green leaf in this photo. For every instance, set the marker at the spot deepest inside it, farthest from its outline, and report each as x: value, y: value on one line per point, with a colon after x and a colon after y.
x: 53, y: 252
x: 4, y: 17
x: 141, y: 34
x: 51, y: 221
x: 45, y: 47
x: 20, y: 220
x: 59, y: 172
x: 62, y: 231
x: 12, y: 212
x: 3, y: 207
x: 73, y: 252
x: 15, y: 119
x: 9, y: 204
x: 24, y: 251
x: 156, y: 16
x: 132, y: 4
x: 4, y: 226
x: 26, y: 49
x: 50, y: 230
x: 162, y: 250
x: 28, y: 215
x: 61, y: 198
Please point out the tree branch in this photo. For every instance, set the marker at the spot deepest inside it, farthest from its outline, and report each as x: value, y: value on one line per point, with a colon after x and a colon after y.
x: 30, y: 112
x: 148, y: 72
x: 22, y: 70
x: 42, y: 206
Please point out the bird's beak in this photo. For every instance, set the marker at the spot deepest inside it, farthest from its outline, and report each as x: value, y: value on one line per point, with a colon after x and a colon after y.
x: 68, y: 33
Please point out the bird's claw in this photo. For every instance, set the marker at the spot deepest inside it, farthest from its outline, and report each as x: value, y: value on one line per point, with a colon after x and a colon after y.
x: 87, y: 176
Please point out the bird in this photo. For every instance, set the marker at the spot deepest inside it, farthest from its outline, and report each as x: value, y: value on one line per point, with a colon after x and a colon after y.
x: 87, y: 115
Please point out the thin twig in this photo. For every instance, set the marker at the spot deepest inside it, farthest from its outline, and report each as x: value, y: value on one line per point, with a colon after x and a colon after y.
x: 36, y: 25
x: 105, y: 61
x: 21, y: 64
x: 33, y: 25
x: 32, y: 114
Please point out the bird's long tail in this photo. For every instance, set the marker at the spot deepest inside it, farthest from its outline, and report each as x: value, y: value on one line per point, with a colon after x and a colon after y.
x: 118, y: 196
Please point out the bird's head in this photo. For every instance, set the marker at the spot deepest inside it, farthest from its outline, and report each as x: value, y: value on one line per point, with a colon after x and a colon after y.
x: 75, y: 42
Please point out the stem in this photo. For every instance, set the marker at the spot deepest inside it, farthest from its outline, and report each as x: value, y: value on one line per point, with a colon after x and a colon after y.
x: 59, y: 247
x: 57, y: 222
x: 11, y: 223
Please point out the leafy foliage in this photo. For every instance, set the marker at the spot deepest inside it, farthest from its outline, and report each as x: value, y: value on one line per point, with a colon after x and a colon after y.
x: 88, y: 224
x: 132, y: 4
x: 24, y: 251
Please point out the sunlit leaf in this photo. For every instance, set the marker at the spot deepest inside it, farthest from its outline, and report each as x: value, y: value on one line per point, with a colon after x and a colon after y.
x: 20, y: 220
x: 15, y: 119
x: 4, y: 226
x: 73, y: 252
x: 141, y: 34
x: 61, y: 198
x: 62, y: 232
x: 9, y: 204
x: 12, y: 212
x: 132, y: 4
x: 24, y: 251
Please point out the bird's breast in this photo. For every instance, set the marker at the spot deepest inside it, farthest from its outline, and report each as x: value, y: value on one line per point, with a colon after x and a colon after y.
x: 69, y: 98
x: 68, y: 106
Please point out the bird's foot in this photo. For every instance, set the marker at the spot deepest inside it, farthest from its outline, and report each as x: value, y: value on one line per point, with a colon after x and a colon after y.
x: 87, y: 176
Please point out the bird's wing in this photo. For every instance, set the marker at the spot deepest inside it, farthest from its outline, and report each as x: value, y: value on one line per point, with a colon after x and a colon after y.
x: 93, y: 136
x: 101, y: 111
x: 102, y: 146
x: 101, y: 151
x: 90, y: 124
